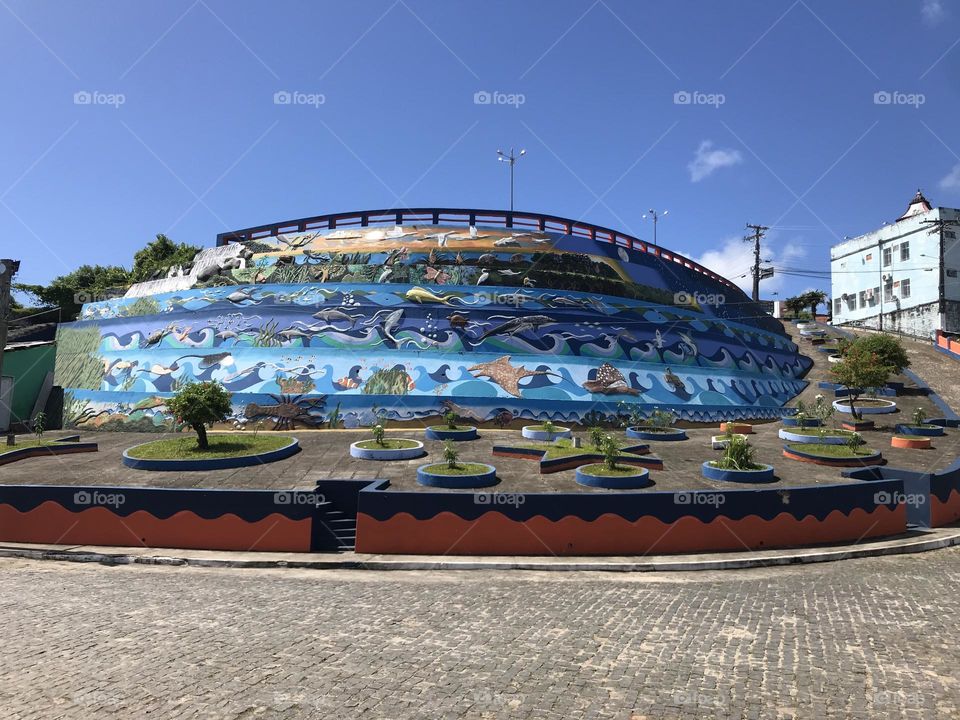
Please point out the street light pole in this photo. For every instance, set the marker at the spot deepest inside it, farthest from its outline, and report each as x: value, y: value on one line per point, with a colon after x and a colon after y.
x: 656, y: 217
x: 512, y: 160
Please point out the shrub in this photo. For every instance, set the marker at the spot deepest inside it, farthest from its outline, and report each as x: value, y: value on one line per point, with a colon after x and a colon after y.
x: 738, y: 455
x: 854, y: 442
x: 596, y: 436
x: 451, y: 454
x: 801, y: 415
x: 378, y: 431
x: 549, y: 427
x: 199, y: 405
x: 38, y: 423
x: 888, y: 349
x: 919, y: 415
x: 661, y: 418
x: 451, y: 419
x: 611, y: 451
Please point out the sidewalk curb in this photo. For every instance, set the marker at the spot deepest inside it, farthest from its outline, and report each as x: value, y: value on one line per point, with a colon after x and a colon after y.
x: 350, y: 561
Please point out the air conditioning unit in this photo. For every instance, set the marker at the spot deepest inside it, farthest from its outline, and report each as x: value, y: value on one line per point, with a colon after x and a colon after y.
x: 887, y: 278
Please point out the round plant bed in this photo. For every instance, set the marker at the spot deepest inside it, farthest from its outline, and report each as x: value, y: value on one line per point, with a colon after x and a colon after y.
x: 802, y: 324
x: 923, y: 430
x: 834, y: 358
x: 624, y: 477
x: 719, y: 442
x: 737, y: 428
x: 911, y: 443
x: 831, y: 455
x: 537, y: 432
x: 812, y: 333
x: 868, y: 406
x: 225, y: 451
x: 649, y: 433
x: 791, y: 421
x: 445, y: 432
x: 833, y: 437
x: 392, y: 449
x: 465, y: 475
x: 711, y: 472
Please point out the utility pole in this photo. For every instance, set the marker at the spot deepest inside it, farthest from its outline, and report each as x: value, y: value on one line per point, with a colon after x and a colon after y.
x: 7, y: 270
x: 940, y: 226
x: 758, y: 233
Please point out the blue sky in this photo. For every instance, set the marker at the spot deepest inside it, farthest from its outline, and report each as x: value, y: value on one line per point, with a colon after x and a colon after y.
x: 182, y: 134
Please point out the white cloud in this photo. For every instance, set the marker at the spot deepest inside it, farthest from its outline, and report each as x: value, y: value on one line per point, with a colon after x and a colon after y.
x: 932, y: 11
x: 709, y: 159
x: 733, y: 259
x: 951, y: 181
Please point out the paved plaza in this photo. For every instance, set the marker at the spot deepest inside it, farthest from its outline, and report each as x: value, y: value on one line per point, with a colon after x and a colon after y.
x: 873, y: 638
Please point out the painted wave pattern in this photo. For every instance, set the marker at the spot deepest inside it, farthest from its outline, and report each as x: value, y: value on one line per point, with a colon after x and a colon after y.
x: 329, y: 355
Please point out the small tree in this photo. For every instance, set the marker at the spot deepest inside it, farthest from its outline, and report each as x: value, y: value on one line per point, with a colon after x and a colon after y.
x: 38, y: 423
x: 611, y: 451
x: 823, y: 410
x: 596, y: 437
x: 919, y: 415
x: 801, y: 415
x: 378, y: 430
x: 549, y: 427
x: 887, y: 348
x: 858, y: 370
x: 854, y: 442
x: 813, y: 299
x: 199, y: 405
x: 451, y: 454
x: 451, y: 419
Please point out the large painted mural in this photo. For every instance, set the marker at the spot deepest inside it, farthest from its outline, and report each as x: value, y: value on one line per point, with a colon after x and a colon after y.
x: 328, y: 329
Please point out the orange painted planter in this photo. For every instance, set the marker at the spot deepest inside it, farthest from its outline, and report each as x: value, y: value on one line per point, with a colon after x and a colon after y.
x: 955, y: 346
x: 738, y: 428
x: 910, y: 443
x: 943, y: 341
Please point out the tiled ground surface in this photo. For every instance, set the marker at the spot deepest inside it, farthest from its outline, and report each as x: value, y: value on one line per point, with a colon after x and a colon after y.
x: 867, y: 639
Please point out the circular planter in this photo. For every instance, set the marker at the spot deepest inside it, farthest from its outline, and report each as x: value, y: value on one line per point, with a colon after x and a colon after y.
x: 802, y: 324
x: 213, y: 463
x: 482, y: 479
x: 887, y: 406
x: 440, y: 432
x: 812, y: 333
x: 747, y: 476
x: 736, y: 428
x: 785, y: 434
x: 533, y: 432
x: 834, y: 358
x: 633, y: 481
x: 923, y: 430
x: 910, y: 443
x: 719, y: 442
x: 793, y: 422
x: 386, y: 454
x: 858, y: 461
x: 641, y: 434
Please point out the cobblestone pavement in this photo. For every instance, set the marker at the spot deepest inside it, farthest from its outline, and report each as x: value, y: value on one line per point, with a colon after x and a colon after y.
x: 872, y: 638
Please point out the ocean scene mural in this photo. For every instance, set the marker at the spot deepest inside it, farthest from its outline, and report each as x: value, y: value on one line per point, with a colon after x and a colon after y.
x: 332, y: 328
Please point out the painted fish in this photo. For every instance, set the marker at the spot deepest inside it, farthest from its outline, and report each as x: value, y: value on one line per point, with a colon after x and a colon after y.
x: 419, y: 295
x: 332, y: 316
x: 519, y: 324
x: 609, y: 381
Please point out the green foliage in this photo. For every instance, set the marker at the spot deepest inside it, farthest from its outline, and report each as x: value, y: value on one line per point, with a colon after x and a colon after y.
x: 549, y: 427
x: 378, y: 430
x: 887, y: 348
x: 802, y: 415
x: 160, y: 254
x: 919, y: 415
x: 142, y: 306
x: 451, y: 454
x: 450, y: 418
x: 854, y: 442
x: 199, y: 405
x: 38, y: 423
x: 336, y: 419
x: 738, y: 455
x: 823, y: 411
x: 660, y: 419
x: 611, y: 451
x: 394, y: 381
x: 858, y: 370
x: 597, y: 436
x: 88, y: 283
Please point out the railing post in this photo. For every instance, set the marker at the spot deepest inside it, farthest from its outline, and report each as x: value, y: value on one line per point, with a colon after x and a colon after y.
x: 509, y: 219
x: 436, y: 218
x: 473, y: 219
x: 399, y: 218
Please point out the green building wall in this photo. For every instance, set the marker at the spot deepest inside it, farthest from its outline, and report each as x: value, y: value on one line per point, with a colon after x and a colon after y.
x: 28, y: 367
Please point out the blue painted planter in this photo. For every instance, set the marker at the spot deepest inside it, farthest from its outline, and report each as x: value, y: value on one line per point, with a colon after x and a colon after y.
x: 807, y: 332
x: 640, y: 479
x: 828, y: 440
x: 213, y: 463
x: 640, y: 434
x: 745, y: 476
x: 793, y: 422
x: 484, y: 479
x: 866, y: 410
x: 914, y: 430
x: 442, y: 433
x: 531, y: 432
x: 377, y: 454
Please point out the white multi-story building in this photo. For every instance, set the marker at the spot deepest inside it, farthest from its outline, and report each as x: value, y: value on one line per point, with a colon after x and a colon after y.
x: 901, y: 278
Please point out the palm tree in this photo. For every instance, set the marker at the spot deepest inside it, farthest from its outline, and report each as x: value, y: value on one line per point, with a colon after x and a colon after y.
x: 813, y: 299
